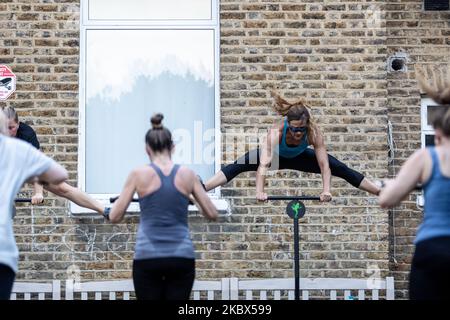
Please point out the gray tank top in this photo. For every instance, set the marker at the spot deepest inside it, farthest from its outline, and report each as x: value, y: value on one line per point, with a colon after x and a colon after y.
x: 163, y: 229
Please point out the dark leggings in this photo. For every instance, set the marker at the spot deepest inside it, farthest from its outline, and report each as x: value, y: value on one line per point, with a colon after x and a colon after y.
x: 163, y: 278
x: 430, y: 270
x: 306, y: 162
x: 7, y: 277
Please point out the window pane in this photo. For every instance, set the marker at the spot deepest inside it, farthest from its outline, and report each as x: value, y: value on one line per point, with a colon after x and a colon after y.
x: 429, y: 140
x: 132, y: 74
x: 430, y: 113
x: 150, y: 10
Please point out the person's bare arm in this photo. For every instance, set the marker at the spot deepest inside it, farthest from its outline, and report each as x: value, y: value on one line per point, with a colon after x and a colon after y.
x: 38, y: 193
x: 324, y: 165
x: 207, y: 207
x: 265, y: 159
x: 126, y: 196
x: 409, y: 176
x: 55, y: 174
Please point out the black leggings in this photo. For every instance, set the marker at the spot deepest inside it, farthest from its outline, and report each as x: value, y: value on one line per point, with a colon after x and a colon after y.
x: 163, y: 278
x: 430, y: 270
x: 306, y: 162
x: 7, y: 277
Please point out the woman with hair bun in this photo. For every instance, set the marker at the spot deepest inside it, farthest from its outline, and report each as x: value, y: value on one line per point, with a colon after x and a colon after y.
x: 164, y: 261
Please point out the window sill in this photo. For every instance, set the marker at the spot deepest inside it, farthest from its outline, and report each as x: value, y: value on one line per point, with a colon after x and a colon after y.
x: 221, y: 204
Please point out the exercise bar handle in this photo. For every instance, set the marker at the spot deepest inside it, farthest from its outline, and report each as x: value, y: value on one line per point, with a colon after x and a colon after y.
x: 22, y: 200
x: 113, y: 199
x: 293, y: 198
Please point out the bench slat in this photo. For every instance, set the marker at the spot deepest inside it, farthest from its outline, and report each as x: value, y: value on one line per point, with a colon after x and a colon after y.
x: 347, y: 295
x: 277, y: 295
x: 375, y: 295
x: 361, y: 295
x: 263, y: 295
x: 305, y: 295
x: 333, y: 295
x: 291, y: 295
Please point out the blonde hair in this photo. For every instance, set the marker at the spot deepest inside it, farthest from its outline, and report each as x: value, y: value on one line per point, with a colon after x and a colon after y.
x: 11, y: 114
x: 439, y: 92
x: 296, y: 110
x: 3, y: 123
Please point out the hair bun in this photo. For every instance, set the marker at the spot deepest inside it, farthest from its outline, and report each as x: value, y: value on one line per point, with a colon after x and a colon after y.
x: 156, y: 121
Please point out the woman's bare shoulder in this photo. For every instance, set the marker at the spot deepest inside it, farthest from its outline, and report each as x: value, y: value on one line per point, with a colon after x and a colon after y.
x: 186, y: 172
x: 143, y: 171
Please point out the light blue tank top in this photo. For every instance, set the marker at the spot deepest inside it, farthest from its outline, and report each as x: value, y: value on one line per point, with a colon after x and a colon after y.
x: 163, y: 229
x: 285, y: 151
x: 436, y: 221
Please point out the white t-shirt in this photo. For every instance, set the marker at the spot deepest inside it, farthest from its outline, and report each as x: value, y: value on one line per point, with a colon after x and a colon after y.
x: 19, y: 161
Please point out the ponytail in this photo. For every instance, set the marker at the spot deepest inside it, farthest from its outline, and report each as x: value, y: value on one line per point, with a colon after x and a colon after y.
x: 440, y: 93
x: 297, y: 110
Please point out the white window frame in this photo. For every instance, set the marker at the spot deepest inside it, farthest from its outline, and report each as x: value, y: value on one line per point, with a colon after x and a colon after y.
x: 85, y: 26
x: 149, y: 22
x: 426, y: 129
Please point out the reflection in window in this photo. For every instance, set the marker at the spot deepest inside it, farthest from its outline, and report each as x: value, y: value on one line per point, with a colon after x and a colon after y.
x: 428, y: 111
x: 431, y: 111
x: 131, y: 74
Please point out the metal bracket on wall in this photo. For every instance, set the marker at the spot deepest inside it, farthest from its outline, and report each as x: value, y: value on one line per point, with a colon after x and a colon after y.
x: 398, y: 62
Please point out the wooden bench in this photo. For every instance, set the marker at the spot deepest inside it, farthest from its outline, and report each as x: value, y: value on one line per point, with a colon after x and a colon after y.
x: 28, y: 290
x: 332, y: 288
x: 223, y: 289
x: 111, y: 290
